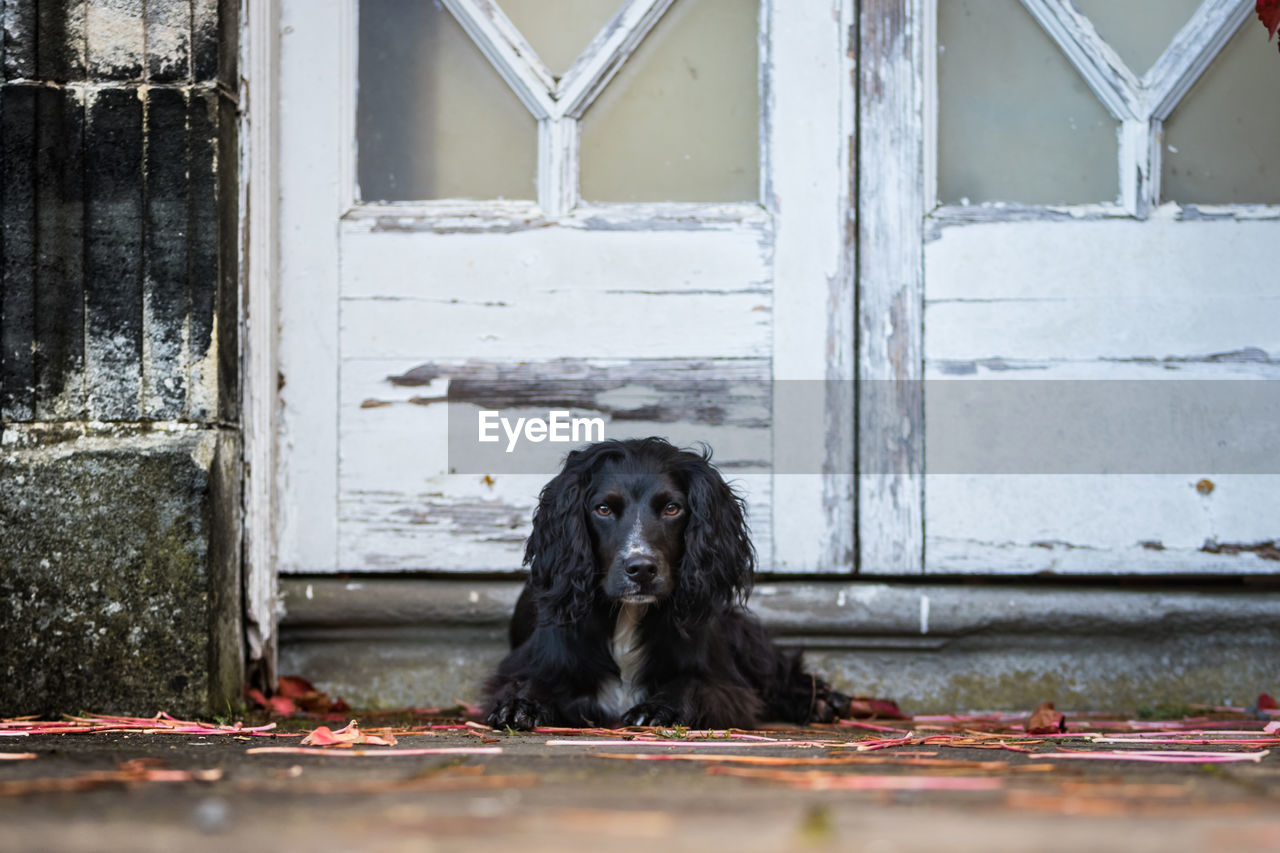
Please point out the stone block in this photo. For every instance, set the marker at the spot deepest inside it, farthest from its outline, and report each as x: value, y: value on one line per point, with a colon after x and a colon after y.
x: 120, y: 571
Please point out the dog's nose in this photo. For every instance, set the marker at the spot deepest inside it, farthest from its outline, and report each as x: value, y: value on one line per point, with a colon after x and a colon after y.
x: 641, y: 569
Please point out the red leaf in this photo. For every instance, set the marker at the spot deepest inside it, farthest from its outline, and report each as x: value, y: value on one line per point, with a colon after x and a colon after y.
x: 307, y: 697
x: 282, y: 705
x: 1265, y: 702
x: 255, y: 696
x: 295, y: 687
x: 324, y: 736
x: 1046, y: 721
x: 1269, y: 14
x: 861, y: 707
x: 350, y: 734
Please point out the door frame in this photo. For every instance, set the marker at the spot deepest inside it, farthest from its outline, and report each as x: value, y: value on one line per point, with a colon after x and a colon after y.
x: 259, y: 268
x: 879, y: 290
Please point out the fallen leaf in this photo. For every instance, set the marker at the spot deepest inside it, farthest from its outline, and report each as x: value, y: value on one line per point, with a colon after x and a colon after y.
x: 1163, y: 756
x: 295, y: 687
x: 1265, y: 702
x: 866, y: 706
x: 714, y: 744
x: 1046, y: 721
x: 161, y: 723
x: 1269, y: 14
x: 294, y: 694
x: 307, y: 697
x: 346, y: 736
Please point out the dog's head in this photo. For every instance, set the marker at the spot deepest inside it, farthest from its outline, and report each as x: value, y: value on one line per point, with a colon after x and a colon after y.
x: 638, y: 521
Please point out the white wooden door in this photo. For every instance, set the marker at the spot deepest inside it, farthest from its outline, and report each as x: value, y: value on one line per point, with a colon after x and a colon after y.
x: 385, y: 306
x: 1046, y: 264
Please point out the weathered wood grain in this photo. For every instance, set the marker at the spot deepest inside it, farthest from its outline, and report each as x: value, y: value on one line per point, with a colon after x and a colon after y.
x: 403, y: 510
x: 807, y: 156
x: 1152, y: 290
x: 686, y: 294
x: 890, y: 287
x: 311, y: 200
x: 1096, y: 525
x: 260, y: 190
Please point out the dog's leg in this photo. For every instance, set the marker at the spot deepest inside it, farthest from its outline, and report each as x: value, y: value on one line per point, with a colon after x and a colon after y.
x: 702, y: 702
x: 551, y: 679
x: 798, y: 696
x: 513, y: 707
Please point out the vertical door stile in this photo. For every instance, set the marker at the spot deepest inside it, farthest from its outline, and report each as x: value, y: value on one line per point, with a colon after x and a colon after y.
x: 808, y: 139
x: 890, y: 282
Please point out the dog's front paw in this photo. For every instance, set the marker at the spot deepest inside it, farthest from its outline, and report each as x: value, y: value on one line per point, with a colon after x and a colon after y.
x: 828, y: 705
x: 517, y: 712
x: 651, y: 714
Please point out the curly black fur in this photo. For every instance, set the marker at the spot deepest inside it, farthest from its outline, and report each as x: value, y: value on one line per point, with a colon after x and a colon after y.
x: 705, y: 661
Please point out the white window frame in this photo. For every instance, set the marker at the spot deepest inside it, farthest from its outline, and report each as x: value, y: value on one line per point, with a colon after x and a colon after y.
x: 558, y: 107
x: 1140, y: 104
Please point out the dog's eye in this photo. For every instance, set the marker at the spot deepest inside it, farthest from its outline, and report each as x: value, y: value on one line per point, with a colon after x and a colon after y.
x: 672, y: 508
x: 603, y: 511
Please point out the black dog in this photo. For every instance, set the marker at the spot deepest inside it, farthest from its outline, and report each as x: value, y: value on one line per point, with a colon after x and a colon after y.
x: 640, y: 564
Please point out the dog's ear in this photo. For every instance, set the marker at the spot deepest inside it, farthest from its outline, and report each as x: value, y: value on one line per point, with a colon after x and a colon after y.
x: 719, y: 559
x: 559, y: 553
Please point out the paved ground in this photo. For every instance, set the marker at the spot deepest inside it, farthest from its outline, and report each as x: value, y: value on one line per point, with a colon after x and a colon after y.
x: 535, y: 795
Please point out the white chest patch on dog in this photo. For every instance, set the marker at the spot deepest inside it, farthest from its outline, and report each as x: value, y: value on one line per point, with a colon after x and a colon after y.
x: 619, y: 695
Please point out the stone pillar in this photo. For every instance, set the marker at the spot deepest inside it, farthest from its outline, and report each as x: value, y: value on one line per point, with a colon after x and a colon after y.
x: 119, y: 354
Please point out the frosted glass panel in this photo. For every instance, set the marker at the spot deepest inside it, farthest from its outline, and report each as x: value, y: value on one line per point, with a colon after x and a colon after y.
x: 1015, y: 121
x: 1138, y: 30
x: 680, y: 122
x: 434, y: 119
x: 559, y: 30
x: 1222, y: 143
